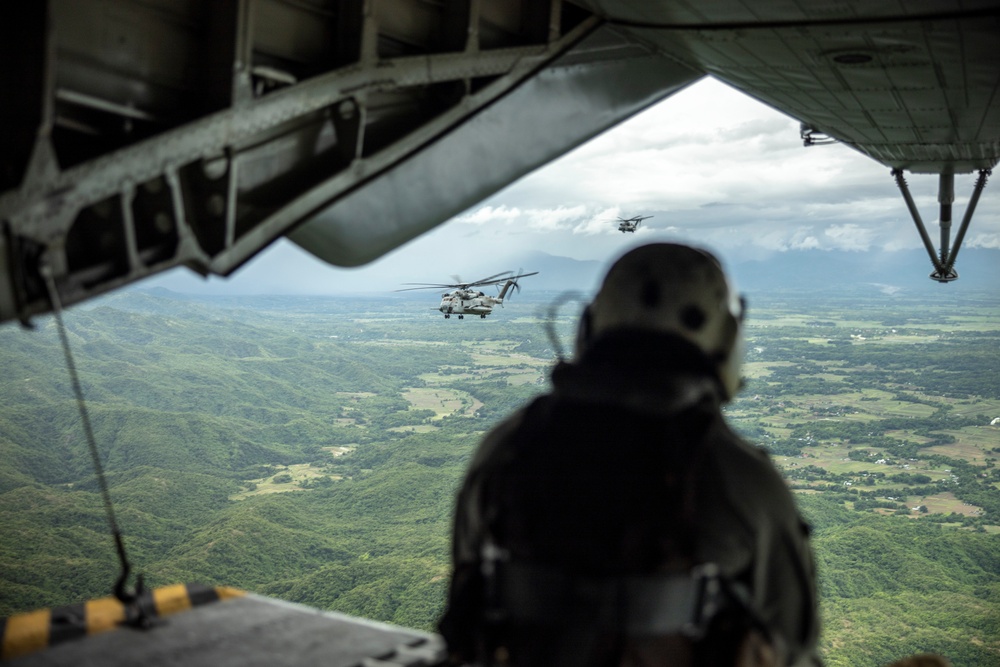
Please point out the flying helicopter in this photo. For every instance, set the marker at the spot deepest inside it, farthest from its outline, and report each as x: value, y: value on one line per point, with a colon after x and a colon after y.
x: 630, y: 224
x: 464, y: 298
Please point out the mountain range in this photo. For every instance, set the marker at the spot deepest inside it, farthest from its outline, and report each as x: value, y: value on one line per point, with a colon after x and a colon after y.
x: 901, y: 272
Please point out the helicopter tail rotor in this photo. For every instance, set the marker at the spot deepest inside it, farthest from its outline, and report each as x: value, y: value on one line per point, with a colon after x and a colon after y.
x: 512, y: 281
x: 516, y: 285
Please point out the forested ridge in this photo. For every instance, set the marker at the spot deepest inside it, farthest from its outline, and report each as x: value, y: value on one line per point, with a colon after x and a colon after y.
x: 309, y: 448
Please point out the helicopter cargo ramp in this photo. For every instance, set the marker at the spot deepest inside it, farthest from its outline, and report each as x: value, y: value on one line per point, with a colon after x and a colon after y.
x: 242, y: 630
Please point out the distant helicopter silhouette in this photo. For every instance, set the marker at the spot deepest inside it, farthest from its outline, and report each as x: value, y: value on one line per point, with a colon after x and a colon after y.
x: 630, y: 224
x: 464, y: 299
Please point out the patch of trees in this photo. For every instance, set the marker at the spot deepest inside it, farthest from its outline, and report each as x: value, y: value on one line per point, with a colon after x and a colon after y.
x: 809, y: 473
x: 499, y: 398
x: 909, y: 478
x: 864, y: 504
x: 784, y: 447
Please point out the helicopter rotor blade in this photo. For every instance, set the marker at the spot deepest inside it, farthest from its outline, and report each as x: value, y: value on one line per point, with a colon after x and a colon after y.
x: 492, y: 280
x: 426, y: 286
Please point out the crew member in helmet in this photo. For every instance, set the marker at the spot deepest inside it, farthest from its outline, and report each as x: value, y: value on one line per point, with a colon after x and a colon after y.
x: 618, y: 521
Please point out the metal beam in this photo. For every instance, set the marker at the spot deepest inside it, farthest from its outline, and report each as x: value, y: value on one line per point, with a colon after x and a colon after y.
x: 242, y: 176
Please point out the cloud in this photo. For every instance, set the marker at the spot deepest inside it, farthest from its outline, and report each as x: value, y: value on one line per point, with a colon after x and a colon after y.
x: 984, y: 241
x: 849, y: 237
x: 545, y: 219
x: 716, y: 166
x: 489, y: 214
x: 713, y: 166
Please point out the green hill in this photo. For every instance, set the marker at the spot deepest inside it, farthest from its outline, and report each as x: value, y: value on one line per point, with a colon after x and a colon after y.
x: 310, y: 449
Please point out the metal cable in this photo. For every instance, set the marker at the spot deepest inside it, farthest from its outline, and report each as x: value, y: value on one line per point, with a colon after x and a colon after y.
x: 88, y: 430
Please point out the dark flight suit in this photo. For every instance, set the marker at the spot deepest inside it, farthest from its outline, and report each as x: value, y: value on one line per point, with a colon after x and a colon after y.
x: 628, y: 467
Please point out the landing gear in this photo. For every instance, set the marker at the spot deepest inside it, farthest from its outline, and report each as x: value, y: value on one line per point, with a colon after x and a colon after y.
x: 447, y: 316
x: 944, y: 261
x: 461, y: 317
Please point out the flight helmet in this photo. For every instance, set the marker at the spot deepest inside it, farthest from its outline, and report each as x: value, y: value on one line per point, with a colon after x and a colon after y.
x: 674, y: 289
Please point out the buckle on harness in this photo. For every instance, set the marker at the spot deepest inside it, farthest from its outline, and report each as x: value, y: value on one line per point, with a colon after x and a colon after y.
x: 709, y: 597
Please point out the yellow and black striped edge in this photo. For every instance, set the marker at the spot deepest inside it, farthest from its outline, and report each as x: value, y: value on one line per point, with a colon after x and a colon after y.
x: 32, y: 631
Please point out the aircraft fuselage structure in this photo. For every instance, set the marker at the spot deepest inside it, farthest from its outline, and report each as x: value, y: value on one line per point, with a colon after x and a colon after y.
x: 631, y: 224
x: 232, y: 123
x: 462, y: 302
x: 466, y: 302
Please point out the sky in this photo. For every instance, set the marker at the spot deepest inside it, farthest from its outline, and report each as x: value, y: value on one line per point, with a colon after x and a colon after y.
x: 712, y: 166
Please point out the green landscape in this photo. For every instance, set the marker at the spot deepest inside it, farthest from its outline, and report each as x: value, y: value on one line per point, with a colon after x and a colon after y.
x: 309, y: 448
